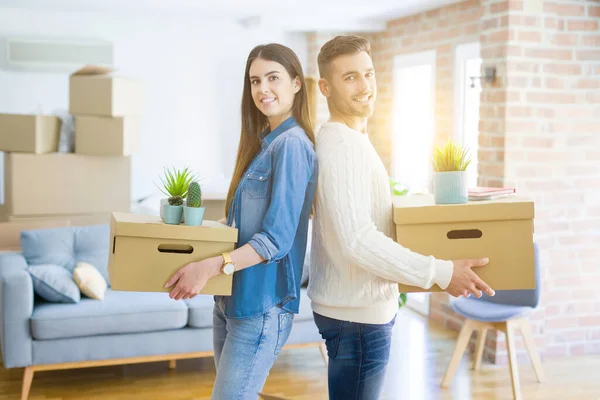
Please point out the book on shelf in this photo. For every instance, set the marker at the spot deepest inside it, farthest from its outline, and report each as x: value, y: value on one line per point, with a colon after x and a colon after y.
x: 489, y: 193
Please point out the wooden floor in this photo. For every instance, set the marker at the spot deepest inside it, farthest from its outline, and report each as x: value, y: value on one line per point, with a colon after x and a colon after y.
x: 420, y: 354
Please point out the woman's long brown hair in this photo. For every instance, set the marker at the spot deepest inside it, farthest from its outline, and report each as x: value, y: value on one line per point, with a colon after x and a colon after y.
x: 254, y: 121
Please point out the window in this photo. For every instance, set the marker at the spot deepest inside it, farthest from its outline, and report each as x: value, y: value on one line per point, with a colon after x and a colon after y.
x: 413, y: 132
x: 414, y: 119
x: 467, y: 96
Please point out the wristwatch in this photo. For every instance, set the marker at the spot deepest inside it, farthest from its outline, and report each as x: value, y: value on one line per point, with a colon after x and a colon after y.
x: 228, y: 265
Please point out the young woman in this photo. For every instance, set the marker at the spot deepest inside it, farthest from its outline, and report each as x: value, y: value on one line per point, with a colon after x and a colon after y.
x: 269, y: 202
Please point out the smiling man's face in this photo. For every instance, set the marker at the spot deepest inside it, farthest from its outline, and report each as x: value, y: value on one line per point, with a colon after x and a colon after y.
x: 353, y: 89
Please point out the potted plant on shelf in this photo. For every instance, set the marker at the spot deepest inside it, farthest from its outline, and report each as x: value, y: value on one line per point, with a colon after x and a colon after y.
x: 175, y: 184
x: 193, y: 212
x: 450, y: 174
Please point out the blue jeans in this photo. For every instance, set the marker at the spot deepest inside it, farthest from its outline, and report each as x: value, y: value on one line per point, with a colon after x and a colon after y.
x: 358, y: 357
x: 245, y: 350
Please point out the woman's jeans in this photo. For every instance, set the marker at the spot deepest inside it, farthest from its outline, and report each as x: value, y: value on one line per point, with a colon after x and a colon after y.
x: 358, y: 357
x: 245, y: 350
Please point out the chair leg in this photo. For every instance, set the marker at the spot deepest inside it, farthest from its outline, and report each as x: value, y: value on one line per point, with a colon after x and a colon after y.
x: 172, y: 364
x: 27, y: 379
x: 323, y: 349
x: 461, y: 344
x: 532, y: 349
x: 512, y: 359
x: 479, y: 349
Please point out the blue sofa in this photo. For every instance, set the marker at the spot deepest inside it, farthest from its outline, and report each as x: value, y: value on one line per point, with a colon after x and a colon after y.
x: 123, y: 328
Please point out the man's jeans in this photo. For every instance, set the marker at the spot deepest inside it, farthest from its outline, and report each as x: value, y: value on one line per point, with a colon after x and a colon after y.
x: 245, y: 350
x: 358, y: 357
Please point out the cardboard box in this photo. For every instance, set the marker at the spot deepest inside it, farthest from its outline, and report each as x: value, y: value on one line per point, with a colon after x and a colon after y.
x: 146, y: 252
x: 10, y: 232
x: 501, y: 230
x: 106, y: 136
x: 64, y: 184
x: 29, y: 133
x: 214, y: 209
x: 95, y: 90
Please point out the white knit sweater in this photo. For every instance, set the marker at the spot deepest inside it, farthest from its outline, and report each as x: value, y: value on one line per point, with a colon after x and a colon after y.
x: 355, y: 262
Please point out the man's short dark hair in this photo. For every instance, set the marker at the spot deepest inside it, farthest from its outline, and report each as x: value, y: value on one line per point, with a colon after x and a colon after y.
x: 339, y: 46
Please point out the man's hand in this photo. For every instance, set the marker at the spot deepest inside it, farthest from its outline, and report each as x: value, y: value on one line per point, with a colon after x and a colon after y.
x: 465, y: 281
x: 193, y: 277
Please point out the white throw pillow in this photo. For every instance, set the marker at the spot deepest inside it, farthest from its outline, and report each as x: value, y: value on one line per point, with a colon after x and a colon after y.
x: 89, y: 280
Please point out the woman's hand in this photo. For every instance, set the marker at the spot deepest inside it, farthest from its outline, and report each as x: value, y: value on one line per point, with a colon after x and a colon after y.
x: 193, y: 277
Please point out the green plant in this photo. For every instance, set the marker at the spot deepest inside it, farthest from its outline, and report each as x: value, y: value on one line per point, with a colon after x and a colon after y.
x: 402, y: 299
x: 176, y: 201
x: 451, y: 157
x: 194, y: 196
x: 395, y: 191
x: 176, y: 182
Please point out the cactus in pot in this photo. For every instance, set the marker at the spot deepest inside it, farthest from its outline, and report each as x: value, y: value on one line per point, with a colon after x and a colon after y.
x: 175, y: 185
x: 175, y: 201
x: 194, y: 195
x: 193, y: 210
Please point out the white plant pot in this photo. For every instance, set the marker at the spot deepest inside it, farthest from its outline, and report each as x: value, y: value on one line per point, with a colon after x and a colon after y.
x: 450, y: 187
x: 166, y: 201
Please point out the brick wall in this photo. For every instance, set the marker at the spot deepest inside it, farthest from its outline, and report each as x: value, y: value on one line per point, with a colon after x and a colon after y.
x: 539, y: 132
x: 543, y: 116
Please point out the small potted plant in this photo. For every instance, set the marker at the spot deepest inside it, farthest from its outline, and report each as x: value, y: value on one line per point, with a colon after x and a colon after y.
x: 175, y: 185
x: 193, y: 212
x: 450, y: 174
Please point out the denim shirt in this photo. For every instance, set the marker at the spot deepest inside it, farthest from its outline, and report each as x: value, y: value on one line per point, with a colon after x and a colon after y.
x: 271, y: 208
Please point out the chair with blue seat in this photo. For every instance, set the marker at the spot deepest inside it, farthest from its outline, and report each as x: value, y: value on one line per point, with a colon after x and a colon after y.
x: 507, y: 311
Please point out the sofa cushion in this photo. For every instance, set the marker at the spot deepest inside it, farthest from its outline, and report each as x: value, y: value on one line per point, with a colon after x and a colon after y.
x: 92, y: 245
x: 119, y: 312
x: 66, y: 246
x: 201, y: 310
x: 49, y: 246
x: 90, y: 282
x: 54, y: 283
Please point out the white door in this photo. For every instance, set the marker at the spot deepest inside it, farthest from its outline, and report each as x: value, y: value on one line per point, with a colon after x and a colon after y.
x: 467, y: 93
x: 414, y: 119
x: 413, y: 132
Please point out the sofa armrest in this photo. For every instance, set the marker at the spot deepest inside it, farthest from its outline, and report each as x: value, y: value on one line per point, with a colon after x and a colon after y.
x: 16, y: 307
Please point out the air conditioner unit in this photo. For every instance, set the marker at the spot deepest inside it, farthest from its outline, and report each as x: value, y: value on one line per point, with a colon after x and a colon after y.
x: 54, y: 55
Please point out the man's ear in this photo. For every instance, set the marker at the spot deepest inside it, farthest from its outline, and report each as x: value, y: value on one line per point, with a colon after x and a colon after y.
x: 324, y: 87
x: 297, y: 85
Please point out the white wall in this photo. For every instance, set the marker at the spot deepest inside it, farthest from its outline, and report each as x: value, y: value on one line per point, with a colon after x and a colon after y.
x: 192, y: 71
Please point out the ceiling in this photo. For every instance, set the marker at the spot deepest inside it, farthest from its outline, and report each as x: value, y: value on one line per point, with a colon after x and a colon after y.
x: 298, y: 16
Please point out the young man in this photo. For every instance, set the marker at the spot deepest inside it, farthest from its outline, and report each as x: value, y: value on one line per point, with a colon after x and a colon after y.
x: 355, y: 263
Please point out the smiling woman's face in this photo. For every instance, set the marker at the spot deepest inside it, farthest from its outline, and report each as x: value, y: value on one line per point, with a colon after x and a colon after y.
x: 273, y: 90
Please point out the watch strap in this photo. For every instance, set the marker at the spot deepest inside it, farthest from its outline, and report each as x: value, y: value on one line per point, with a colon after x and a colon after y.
x: 226, y: 258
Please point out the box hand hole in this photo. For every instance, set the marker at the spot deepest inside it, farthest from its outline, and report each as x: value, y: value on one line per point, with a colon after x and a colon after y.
x: 464, y: 234
x: 175, y: 248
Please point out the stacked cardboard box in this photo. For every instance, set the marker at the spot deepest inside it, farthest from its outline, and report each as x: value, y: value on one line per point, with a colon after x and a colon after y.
x: 44, y: 187
x: 107, y: 111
